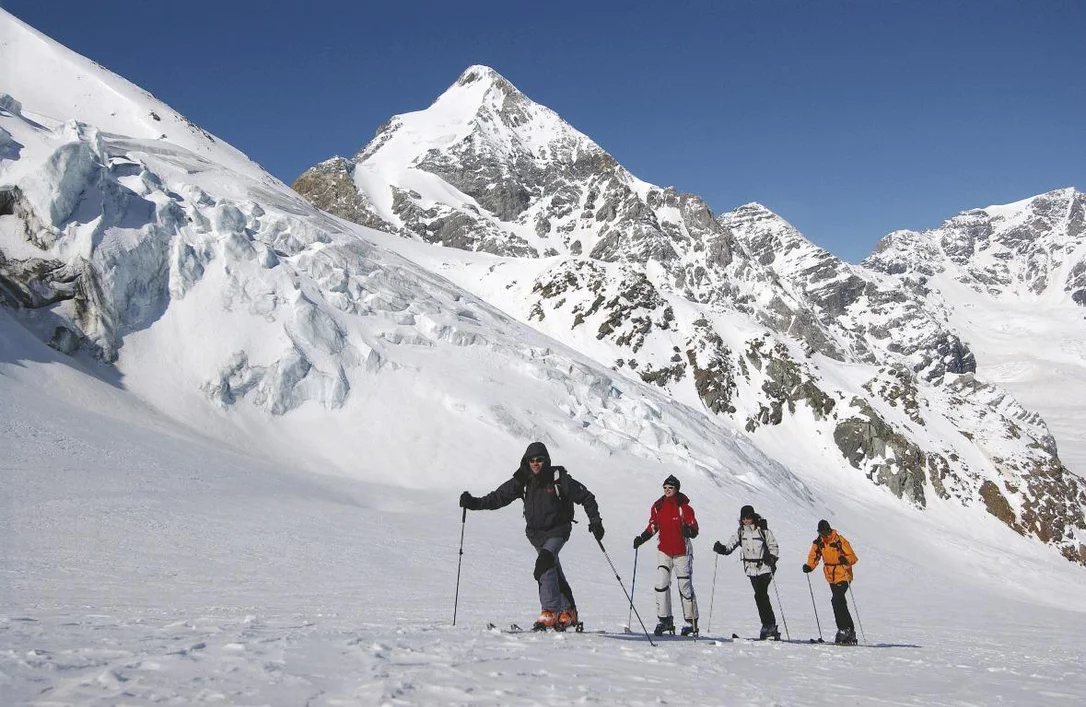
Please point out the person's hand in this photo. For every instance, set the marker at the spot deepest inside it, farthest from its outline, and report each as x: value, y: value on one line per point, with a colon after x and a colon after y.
x: 641, y: 539
x: 690, y: 531
x: 807, y: 568
x: 718, y: 547
x: 596, y: 528
x: 469, y: 502
x: 843, y: 560
x: 771, y: 561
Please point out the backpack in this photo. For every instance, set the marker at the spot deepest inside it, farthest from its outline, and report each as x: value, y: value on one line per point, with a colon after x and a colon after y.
x: 569, y: 508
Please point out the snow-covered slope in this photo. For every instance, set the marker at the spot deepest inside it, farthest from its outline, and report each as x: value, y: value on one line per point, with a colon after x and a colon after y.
x: 142, y: 563
x: 739, y: 315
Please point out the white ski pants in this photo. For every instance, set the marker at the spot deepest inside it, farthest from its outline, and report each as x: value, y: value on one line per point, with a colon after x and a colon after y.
x: 683, y: 568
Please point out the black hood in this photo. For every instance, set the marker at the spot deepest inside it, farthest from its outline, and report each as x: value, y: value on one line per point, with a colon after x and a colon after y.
x: 536, y: 449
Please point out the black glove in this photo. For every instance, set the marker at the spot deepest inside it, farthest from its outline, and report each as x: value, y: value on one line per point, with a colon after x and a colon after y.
x: 596, y: 528
x: 641, y: 539
x: 690, y: 531
x: 468, y: 501
x: 719, y: 548
x: 843, y: 561
x: 808, y: 568
x: 771, y: 562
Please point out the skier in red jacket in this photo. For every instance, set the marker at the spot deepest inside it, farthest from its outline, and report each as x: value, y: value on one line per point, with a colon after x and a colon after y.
x: 673, y: 517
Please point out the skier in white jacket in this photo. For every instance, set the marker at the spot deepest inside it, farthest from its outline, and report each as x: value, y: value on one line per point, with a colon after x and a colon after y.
x: 760, y: 553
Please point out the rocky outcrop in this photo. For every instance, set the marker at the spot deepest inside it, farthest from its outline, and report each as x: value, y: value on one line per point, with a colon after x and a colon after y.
x: 329, y: 186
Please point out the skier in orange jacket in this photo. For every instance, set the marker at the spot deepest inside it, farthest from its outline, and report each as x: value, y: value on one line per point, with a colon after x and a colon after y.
x: 838, y: 557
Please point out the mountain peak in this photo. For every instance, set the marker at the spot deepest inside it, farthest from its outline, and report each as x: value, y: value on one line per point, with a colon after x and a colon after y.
x: 485, y: 76
x: 480, y: 90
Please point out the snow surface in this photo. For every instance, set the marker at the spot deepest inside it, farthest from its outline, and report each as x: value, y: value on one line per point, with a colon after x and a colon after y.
x: 144, y: 564
x: 156, y: 548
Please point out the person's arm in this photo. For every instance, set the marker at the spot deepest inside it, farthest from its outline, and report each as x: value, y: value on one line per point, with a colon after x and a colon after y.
x: 690, y: 522
x: 580, y: 494
x: 847, y: 552
x: 813, y: 556
x: 772, y: 550
x: 649, y: 530
x: 726, y: 547
x: 501, y: 496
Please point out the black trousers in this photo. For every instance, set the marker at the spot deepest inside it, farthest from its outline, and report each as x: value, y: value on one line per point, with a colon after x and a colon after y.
x: 761, y: 598
x: 840, y: 607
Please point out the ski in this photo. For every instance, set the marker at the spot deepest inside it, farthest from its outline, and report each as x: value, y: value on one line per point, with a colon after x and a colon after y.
x: 736, y: 636
x: 514, y: 628
x: 808, y: 642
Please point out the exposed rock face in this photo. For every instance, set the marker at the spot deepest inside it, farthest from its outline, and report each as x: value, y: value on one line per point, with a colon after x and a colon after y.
x: 886, y: 456
x: 329, y: 187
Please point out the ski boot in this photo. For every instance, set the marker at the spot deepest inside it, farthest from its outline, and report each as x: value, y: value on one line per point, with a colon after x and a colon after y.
x: 567, y: 618
x: 547, y: 619
x: 846, y: 637
x: 769, y: 632
x: 690, y: 629
x: 665, y: 625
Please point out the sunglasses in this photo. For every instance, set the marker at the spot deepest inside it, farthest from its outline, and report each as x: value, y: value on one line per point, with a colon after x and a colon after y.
x: 537, y: 460
x: 669, y: 486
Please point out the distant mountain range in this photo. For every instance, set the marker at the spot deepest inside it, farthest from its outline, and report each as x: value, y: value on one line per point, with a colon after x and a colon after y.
x: 739, y: 313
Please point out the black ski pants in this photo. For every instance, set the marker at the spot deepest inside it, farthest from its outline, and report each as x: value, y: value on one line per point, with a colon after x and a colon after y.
x: 840, y: 607
x: 760, y: 582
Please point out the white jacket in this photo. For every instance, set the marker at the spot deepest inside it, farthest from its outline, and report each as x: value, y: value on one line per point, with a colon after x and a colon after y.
x: 755, y: 541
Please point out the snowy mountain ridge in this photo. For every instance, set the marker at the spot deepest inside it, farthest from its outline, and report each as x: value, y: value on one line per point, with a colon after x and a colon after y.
x: 645, y: 280
x: 1032, y: 248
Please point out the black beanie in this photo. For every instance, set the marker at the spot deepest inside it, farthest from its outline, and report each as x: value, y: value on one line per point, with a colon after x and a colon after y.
x: 824, y: 526
x: 746, y: 512
x: 672, y: 481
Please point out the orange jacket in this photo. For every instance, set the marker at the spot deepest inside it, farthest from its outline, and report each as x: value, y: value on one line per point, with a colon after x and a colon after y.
x: 832, y: 549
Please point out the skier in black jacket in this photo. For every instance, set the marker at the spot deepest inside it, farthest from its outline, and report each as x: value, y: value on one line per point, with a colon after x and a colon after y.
x: 549, y: 493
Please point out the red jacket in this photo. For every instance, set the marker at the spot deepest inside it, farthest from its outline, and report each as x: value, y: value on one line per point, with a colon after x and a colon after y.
x: 668, y: 516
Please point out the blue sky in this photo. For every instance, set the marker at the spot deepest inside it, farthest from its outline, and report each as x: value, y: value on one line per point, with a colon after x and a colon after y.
x: 850, y: 119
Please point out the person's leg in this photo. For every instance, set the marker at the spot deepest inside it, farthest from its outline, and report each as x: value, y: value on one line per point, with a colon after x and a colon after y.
x: 684, y: 575
x: 760, y: 583
x: 840, y: 607
x: 663, y: 585
x: 546, y: 574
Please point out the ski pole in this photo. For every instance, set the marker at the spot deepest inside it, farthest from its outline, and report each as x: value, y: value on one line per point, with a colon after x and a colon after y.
x: 636, y: 612
x: 857, y: 608
x: 712, y: 596
x: 633, y: 585
x: 815, y: 607
x: 780, y: 606
x: 456, y: 600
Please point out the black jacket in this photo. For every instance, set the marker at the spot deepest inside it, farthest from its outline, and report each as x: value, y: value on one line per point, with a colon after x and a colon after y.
x: 548, y: 497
